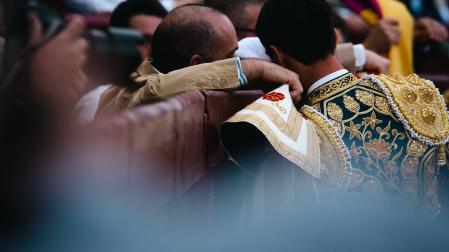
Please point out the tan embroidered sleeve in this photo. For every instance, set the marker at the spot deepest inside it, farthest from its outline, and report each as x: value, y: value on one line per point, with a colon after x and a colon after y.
x: 217, y: 75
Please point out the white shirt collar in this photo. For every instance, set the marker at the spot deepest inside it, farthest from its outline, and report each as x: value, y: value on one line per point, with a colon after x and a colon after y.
x: 326, y: 79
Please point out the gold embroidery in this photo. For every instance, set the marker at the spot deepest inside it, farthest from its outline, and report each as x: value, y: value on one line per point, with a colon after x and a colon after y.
x: 420, y: 113
x: 331, y: 88
x: 446, y: 97
x: 388, y: 155
x: 370, y: 84
x: 334, y: 111
x: 441, y: 156
x: 429, y: 115
x: 337, y: 125
x: 426, y: 94
x: 351, y: 104
x: 396, y: 78
x: 391, y: 167
x: 316, y: 106
x: 354, y: 130
x: 378, y: 149
x: 409, y: 95
x: 365, y: 97
x: 333, y: 152
x: 372, y: 120
x: 430, y: 185
x: 414, y: 79
x: 356, y: 178
x: 355, y: 153
x: 382, y: 104
x: 409, y: 169
x: 416, y: 148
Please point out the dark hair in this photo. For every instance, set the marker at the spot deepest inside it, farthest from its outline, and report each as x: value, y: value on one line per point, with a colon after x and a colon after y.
x: 182, y: 34
x: 234, y: 9
x: 126, y: 10
x: 304, y: 29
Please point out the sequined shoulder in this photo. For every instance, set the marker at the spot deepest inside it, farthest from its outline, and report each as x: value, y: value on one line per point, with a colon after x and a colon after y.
x: 418, y: 104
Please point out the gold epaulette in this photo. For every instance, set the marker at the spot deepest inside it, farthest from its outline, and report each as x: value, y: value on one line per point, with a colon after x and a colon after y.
x: 418, y: 105
x: 336, y: 166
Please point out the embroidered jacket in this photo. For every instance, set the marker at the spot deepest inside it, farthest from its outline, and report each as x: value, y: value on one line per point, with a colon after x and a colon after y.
x: 395, y: 128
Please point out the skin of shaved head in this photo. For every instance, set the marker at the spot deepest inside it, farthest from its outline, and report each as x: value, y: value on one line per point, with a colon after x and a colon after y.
x: 192, y: 35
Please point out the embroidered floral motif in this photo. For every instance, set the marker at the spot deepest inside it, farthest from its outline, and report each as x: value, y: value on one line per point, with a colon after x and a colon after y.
x: 334, y: 111
x: 386, y: 153
x: 382, y: 105
x: 355, y: 153
x: 354, y: 130
x: 416, y: 148
x: 365, y: 97
x: 274, y: 97
x: 351, y: 104
x: 372, y: 120
x: 378, y: 149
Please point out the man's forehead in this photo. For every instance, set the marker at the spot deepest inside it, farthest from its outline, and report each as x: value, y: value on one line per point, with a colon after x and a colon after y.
x: 144, y: 18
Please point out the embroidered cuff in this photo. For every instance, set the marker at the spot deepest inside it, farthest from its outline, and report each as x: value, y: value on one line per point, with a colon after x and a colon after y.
x: 242, y: 78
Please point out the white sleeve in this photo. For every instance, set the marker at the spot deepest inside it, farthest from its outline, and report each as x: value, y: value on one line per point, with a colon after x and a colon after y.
x: 360, y: 56
x: 252, y: 48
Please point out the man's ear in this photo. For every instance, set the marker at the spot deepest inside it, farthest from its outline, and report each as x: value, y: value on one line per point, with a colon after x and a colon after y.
x: 195, y: 60
x: 339, y: 38
x: 277, y: 55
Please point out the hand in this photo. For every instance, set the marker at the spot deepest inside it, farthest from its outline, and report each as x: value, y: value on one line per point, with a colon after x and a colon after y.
x: 266, y: 75
x: 428, y: 29
x: 382, y: 36
x: 56, y: 69
x: 376, y: 63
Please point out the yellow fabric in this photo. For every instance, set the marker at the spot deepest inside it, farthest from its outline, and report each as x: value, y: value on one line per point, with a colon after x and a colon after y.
x: 401, y: 55
x: 369, y: 16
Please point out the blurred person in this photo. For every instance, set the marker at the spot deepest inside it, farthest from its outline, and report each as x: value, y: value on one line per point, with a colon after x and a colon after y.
x: 193, y: 49
x: 141, y: 15
x: 390, y: 31
x: 431, y: 46
x: 435, y: 9
x: 34, y: 110
x: 386, y: 30
x: 252, y: 48
x: 92, y: 6
x: 393, y: 126
x: 244, y: 13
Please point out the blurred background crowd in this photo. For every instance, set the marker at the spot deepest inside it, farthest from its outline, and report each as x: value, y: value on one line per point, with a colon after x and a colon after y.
x: 66, y: 177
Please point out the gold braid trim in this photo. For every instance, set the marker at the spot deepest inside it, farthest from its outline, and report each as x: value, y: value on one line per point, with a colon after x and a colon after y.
x: 335, y: 145
x: 332, y: 88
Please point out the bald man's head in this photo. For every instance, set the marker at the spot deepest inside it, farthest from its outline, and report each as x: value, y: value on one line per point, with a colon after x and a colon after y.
x: 191, y: 35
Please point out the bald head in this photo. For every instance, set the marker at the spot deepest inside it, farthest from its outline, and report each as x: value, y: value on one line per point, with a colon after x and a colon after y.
x: 191, y: 35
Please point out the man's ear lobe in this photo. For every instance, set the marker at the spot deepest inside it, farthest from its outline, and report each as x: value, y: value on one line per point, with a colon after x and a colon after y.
x: 195, y: 60
x: 277, y: 56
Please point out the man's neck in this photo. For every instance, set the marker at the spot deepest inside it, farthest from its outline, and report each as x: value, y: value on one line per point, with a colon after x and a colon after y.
x: 312, y: 73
